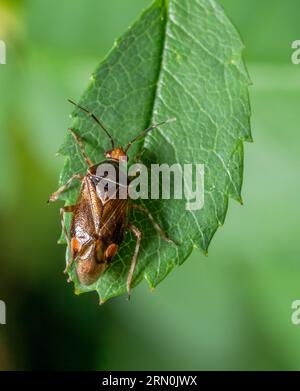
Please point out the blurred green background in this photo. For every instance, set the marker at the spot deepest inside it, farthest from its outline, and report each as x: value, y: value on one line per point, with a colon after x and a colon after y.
x: 231, y: 310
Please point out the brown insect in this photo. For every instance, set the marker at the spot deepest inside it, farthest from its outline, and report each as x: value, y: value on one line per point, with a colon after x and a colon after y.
x: 98, y: 225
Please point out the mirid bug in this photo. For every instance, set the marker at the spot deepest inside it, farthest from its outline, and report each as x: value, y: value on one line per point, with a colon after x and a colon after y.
x: 98, y: 225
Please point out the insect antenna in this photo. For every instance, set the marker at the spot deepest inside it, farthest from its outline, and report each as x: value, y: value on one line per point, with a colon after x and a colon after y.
x: 95, y: 119
x: 144, y: 132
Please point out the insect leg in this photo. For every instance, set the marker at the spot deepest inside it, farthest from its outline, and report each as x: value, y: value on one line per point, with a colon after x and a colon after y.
x: 158, y: 229
x: 138, y: 236
x: 66, y: 209
x: 55, y: 195
x: 81, y: 147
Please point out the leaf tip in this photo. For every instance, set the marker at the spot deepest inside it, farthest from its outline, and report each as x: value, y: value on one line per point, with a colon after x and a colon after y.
x: 250, y: 139
x: 150, y: 282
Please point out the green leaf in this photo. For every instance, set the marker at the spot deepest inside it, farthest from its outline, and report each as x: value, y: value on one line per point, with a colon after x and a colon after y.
x: 180, y: 59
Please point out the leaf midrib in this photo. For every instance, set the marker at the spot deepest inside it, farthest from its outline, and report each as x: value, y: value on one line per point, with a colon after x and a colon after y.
x: 158, y: 78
